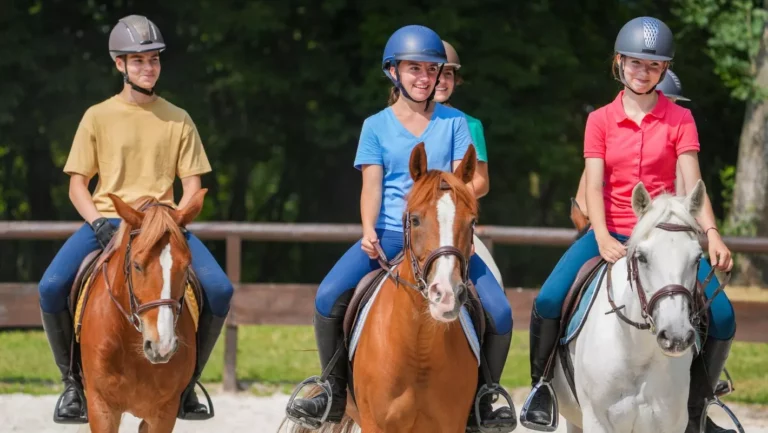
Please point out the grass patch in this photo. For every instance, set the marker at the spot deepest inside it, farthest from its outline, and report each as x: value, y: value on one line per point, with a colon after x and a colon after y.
x: 276, y: 358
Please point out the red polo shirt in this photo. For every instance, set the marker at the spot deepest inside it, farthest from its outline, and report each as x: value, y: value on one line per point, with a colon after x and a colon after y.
x: 633, y: 153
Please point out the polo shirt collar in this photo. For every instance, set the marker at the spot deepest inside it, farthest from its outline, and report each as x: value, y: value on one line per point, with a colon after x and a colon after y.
x: 659, y: 111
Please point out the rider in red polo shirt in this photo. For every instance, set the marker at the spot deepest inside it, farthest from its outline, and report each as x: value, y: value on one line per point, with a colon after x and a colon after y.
x: 639, y: 137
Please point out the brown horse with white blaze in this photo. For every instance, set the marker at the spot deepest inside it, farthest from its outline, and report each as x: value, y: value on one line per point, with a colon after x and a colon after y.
x: 413, y: 369
x: 137, y: 342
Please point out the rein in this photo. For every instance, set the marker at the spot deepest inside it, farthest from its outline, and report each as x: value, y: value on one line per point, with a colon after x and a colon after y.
x: 137, y: 308
x: 697, y: 302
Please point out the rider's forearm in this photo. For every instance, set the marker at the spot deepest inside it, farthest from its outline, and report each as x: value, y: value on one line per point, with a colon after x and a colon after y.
x: 480, y: 184
x: 81, y: 198
x: 190, y: 186
x: 594, y: 190
x: 370, y: 197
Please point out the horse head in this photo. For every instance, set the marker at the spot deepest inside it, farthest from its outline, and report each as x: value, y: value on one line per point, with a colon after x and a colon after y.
x: 663, y: 255
x: 438, y: 225
x: 157, y: 260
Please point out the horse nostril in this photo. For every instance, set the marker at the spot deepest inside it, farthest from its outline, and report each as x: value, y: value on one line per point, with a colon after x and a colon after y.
x: 463, y: 295
x: 147, y: 346
x: 663, y: 339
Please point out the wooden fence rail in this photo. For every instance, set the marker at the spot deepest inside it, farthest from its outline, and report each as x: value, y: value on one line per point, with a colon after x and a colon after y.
x: 255, y: 303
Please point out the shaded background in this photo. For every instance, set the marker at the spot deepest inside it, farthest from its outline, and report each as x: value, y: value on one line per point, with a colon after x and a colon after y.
x: 279, y: 90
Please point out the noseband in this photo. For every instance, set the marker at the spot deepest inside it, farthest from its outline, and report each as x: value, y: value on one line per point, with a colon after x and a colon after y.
x: 135, y: 307
x: 697, y: 302
x: 420, y: 273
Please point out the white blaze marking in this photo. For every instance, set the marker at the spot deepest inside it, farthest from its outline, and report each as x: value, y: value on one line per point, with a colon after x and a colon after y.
x: 446, y: 214
x: 165, y: 315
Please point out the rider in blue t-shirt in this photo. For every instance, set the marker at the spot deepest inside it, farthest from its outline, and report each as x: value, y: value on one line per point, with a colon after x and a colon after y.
x: 412, y: 60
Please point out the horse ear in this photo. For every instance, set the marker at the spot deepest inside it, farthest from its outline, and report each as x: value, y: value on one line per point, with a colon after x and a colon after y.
x: 641, y: 200
x: 130, y: 215
x: 418, y: 163
x: 466, y: 169
x: 695, y: 200
x: 191, y: 210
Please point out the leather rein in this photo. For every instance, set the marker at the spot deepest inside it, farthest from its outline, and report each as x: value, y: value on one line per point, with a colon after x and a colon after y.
x: 697, y: 302
x: 137, y: 308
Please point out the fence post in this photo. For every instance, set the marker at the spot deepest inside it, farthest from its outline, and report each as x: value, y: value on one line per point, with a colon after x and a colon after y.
x: 234, y: 262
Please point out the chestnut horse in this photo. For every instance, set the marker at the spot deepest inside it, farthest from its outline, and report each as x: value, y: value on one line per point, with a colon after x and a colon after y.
x: 137, y: 342
x: 413, y: 370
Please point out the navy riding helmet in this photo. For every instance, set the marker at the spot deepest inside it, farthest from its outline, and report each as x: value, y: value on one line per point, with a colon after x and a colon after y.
x: 415, y: 43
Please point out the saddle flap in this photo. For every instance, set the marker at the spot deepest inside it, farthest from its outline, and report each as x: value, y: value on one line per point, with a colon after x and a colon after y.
x: 362, y: 294
x: 583, y: 278
x: 83, y: 272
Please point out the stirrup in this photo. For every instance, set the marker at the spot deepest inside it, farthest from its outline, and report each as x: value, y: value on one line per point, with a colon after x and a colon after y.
x: 306, y: 421
x: 552, y: 426
x: 494, y: 425
x: 724, y: 387
x: 194, y: 416
x: 716, y: 401
x: 82, y: 419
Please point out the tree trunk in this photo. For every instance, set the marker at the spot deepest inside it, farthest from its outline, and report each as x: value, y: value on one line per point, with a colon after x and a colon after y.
x: 748, y: 214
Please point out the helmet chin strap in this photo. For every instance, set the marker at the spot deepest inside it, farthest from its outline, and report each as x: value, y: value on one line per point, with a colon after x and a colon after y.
x: 626, y: 84
x: 142, y: 90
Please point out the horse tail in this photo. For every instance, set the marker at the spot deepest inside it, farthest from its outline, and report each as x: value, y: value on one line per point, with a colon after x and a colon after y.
x: 347, y: 424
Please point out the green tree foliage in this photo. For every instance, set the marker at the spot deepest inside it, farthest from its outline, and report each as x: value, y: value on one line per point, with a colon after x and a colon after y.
x: 279, y: 91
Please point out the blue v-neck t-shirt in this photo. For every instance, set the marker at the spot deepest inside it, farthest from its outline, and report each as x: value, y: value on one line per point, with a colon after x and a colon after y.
x: 385, y: 141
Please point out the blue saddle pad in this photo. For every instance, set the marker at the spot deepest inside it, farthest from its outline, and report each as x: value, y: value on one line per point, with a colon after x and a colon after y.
x: 585, y: 304
x: 464, y: 318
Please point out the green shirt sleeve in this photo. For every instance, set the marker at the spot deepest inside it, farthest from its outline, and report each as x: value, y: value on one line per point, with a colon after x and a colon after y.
x: 478, y: 137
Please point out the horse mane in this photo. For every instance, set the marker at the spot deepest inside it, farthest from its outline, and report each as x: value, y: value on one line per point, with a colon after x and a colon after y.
x: 157, y: 222
x: 663, y: 208
x: 428, y: 189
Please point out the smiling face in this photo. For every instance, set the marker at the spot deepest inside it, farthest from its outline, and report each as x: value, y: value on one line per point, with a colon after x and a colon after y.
x: 641, y: 75
x: 446, y: 85
x: 143, y: 68
x: 417, y: 78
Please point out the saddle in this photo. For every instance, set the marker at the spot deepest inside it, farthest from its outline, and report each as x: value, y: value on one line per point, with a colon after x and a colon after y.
x: 80, y: 292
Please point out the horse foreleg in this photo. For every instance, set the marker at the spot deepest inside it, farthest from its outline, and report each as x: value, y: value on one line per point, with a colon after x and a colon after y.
x: 593, y: 423
x: 101, y: 417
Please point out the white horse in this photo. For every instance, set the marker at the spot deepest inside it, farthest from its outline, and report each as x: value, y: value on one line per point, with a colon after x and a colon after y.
x: 637, y: 380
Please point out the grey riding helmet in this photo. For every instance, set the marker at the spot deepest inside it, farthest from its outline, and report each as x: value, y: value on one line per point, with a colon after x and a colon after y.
x: 672, y: 87
x: 135, y: 34
x: 645, y: 38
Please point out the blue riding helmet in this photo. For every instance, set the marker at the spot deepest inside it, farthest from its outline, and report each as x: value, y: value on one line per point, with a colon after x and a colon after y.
x: 415, y: 43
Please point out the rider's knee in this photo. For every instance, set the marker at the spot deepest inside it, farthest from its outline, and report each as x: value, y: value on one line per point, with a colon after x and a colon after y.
x: 548, y: 307
x: 722, y: 319
x: 53, y: 293
x: 331, y: 301
x: 219, y: 295
x: 499, y: 320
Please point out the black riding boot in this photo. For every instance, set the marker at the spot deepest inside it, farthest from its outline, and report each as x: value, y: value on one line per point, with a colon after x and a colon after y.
x: 544, y: 333
x: 70, y: 408
x: 208, y: 331
x: 329, y: 333
x: 495, y: 350
x: 705, y: 375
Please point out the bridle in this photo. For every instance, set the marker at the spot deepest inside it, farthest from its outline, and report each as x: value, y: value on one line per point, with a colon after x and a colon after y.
x: 136, y: 309
x: 697, y: 302
x: 420, y: 273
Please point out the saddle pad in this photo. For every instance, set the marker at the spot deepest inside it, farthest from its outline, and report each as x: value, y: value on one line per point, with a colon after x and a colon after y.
x: 189, y: 299
x: 585, y: 304
x: 464, y: 318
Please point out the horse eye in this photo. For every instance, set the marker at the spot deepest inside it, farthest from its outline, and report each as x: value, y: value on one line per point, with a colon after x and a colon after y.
x: 415, y: 221
x: 137, y: 266
x: 641, y: 258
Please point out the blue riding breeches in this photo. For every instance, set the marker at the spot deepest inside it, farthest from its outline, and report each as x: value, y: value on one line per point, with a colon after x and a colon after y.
x: 549, y: 302
x: 55, y: 285
x: 355, y: 264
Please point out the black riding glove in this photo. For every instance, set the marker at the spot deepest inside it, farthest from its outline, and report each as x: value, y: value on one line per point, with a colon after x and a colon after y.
x: 104, y: 231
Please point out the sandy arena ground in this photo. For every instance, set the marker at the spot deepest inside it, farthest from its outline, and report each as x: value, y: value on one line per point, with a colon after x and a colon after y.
x: 246, y: 413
